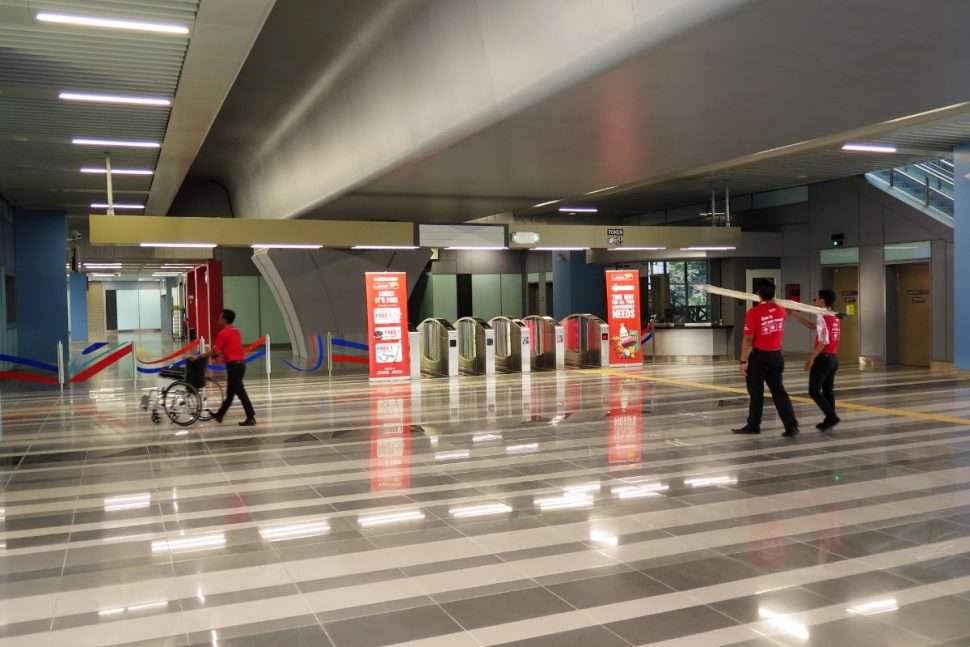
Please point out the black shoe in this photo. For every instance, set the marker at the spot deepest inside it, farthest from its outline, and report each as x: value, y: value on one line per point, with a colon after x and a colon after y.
x: 746, y: 430
x: 827, y: 424
x: 248, y: 422
x: 217, y: 417
x: 791, y: 433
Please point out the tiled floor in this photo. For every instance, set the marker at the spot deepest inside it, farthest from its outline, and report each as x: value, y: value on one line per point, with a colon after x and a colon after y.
x: 586, y: 508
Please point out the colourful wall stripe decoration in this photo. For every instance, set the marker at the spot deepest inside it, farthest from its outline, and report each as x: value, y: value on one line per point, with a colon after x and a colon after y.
x: 316, y: 342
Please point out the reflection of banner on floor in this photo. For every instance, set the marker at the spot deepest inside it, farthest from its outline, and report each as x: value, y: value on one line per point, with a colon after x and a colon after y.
x: 626, y: 424
x: 390, y: 442
x: 316, y: 341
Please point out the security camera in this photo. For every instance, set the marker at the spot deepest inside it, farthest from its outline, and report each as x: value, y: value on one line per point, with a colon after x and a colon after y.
x: 76, y: 235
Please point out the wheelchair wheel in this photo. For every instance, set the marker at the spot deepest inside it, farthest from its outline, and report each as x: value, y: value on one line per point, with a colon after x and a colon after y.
x: 212, y: 396
x: 181, y: 403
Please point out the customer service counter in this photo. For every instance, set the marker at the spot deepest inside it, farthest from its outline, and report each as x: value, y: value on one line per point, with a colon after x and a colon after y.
x: 693, y: 340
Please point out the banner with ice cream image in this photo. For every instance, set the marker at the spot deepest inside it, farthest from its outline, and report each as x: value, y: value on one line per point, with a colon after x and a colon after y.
x: 623, y: 305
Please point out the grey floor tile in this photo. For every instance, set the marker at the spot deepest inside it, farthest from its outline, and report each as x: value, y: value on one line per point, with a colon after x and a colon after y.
x: 392, y: 627
x: 505, y: 607
x: 585, y: 637
x: 942, y: 619
x: 666, y: 626
x: 609, y: 589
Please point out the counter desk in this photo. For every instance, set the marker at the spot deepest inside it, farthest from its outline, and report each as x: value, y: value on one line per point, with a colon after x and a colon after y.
x: 693, y: 340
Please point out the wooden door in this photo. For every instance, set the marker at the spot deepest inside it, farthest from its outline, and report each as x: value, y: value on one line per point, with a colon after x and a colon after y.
x: 913, y: 313
x: 845, y: 284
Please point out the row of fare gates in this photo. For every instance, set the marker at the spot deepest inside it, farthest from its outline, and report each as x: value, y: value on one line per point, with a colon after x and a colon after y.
x: 473, y: 346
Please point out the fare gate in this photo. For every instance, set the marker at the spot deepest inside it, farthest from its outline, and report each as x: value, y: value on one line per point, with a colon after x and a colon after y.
x: 476, y: 346
x: 513, y: 345
x: 587, y: 339
x: 438, y: 348
x: 548, y: 343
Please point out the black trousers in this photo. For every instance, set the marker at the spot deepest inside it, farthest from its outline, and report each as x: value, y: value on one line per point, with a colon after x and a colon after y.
x: 821, y: 383
x: 234, y: 386
x: 767, y: 367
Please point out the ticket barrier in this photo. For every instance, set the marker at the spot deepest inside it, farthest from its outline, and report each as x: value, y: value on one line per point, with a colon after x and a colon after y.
x: 476, y: 346
x: 513, y: 345
x: 438, y: 348
x: 548, y: 343
x: 587, y: 341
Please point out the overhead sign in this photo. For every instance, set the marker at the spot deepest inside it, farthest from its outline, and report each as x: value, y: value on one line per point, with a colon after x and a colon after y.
x: 623, y: 305
x: 387, y: 325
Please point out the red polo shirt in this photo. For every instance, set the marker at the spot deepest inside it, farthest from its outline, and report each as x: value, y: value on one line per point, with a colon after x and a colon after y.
x: 828, y: 329
x: 765, y: 324
x: 228, y: 344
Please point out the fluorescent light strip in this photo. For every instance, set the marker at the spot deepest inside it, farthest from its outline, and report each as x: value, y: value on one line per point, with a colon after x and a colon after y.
x: 393, y: 517
x: 472, y: 248
x: 284, y: 246
x: 111, y: 23
x: 187, y: 544
x: 127, y: 502
x: 637, y: 249
x: 544, y: 204
x: 117, y: 205
x: 103, y: 266
x: 113, y: 98
x: 605, y: 188
x: 451, y: 456
x: 708, y: 248
x: 166, y: 274
x: 187, y: 245
x: 578, y: 209
x: 383, y: 247
x: 294, y: 530
x: 870, y: 148
x: 464, y: 512
x: 88, y: 141
x: 118, y: 171
x: 560, y: 249
x: 104, y: 276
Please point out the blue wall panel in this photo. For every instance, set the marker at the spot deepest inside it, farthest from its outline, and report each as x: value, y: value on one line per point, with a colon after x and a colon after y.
x: 79, y: 306
x: 41, y: 243
x: 576, y: 286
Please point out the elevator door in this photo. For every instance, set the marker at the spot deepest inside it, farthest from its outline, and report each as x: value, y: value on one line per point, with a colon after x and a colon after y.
x: 845, y: 284
x: 913, y: 313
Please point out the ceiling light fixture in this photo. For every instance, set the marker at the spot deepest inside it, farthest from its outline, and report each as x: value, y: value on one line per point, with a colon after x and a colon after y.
x: 473, y: 248
x: 605, y: 188
x: 90, y: 141
x: 637, y: 249
x: 560, y: 249
x: 102, y: 275
x: 118, y: 171
x: 115, y: 98
x: 870, y: 148
x: 117, y: 205
x: 383, y: 247
x: 103, y: 265
x: 578, y: 209
x: 708, y: 248
x: 190, y: 245
x: 165, y: 274
x: 544, y: 204
x: 284, y: 246
x: 111, y: 23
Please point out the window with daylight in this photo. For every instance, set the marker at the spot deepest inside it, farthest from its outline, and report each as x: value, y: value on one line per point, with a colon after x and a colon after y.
x: 683, y: 302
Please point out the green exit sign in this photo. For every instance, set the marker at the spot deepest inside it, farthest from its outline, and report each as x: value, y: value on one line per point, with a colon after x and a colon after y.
x: 838, y: 240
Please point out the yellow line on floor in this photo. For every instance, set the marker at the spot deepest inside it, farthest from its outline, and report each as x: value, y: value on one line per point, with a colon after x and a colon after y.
x: 905, y: 413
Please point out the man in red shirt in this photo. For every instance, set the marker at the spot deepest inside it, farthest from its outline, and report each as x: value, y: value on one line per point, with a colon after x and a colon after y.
x: 762, y: 361
x: 228, y: 345
x: 823, y: 362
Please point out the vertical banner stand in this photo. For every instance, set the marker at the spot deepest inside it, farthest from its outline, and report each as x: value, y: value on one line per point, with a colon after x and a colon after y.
x: 623, y: 308
x: 387, y: 325
x: 329, y: 355
x: 134, y: 367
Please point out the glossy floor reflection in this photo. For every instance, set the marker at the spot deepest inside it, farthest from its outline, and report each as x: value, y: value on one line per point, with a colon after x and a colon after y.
x: 585, y: 508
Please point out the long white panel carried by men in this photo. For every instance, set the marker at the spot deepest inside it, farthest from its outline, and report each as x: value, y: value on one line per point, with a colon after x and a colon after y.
x: 748, y: 296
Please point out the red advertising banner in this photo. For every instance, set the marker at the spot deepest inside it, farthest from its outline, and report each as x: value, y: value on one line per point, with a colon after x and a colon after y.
x: 390, y: 441
x: 623, y: 299
x: 387, y: 325
x: 626, y: 421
